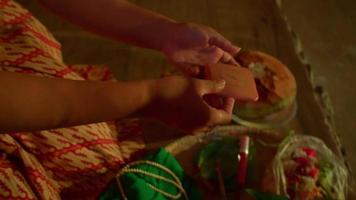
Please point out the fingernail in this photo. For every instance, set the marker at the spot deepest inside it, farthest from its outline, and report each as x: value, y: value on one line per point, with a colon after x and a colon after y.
x: 221, y: 83
x: 238, y: 48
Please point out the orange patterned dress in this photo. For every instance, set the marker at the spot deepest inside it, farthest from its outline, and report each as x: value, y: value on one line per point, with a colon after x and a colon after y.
x: 67, y: 163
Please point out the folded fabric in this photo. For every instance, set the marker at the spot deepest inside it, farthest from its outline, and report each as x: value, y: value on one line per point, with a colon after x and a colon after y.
x: 137, y: 185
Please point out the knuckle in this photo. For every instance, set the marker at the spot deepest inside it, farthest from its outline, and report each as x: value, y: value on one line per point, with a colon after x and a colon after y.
x: 220, y: 118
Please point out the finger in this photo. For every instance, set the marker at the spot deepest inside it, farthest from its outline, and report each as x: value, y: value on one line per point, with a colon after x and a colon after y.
x: 209, y: 55
x: 210, y: 86
x: 219, y: 41
x: 200, y: 56
x: 228, y: 59
x: 218, y: 116
x: 229, y: 105
x: 214, y: 100
x: 188, y: 69
x: 194, y: 70
x: 200, y: 130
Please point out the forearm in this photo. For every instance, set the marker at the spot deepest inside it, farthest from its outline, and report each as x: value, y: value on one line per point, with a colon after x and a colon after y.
x: 118, y: 19
x: 37, y: 103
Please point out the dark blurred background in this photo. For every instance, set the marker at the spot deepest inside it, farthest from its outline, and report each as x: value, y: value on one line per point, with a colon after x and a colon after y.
x: 326, y: 30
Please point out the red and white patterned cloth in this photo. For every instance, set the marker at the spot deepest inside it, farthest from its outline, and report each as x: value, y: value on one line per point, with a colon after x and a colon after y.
x: 69, y: 163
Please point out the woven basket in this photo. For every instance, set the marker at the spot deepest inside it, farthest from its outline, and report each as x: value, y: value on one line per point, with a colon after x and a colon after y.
x: 186, y: 148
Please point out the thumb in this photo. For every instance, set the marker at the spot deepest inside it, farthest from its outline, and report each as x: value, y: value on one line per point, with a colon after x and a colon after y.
x: 219, y: 117
x: 188, y: 69
x: 209, y: 55
x: 212, y: 86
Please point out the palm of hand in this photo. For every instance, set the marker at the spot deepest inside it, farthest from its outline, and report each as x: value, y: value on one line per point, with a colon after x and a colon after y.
x: 193, y: 46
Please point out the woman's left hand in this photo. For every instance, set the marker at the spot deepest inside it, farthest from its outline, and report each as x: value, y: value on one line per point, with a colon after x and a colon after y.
x: 191, y: 47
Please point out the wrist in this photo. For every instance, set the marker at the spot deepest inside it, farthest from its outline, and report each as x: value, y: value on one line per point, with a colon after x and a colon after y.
x: 130, y: 97
x: 151, y: 94
x: 168, y: 35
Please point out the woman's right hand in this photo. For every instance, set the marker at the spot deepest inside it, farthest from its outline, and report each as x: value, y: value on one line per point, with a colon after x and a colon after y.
x: 178, y: 102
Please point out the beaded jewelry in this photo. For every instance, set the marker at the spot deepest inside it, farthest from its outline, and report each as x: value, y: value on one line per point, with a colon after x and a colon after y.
x: 176, y: 182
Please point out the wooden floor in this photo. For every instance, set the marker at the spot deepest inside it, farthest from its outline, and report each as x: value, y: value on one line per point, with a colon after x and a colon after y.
x: 252, y: 24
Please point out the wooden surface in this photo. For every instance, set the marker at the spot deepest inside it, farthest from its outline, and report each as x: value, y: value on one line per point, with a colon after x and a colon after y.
x: 328, y: 35
x: 252, y: 24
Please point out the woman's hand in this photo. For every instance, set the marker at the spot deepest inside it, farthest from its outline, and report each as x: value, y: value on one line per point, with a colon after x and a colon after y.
x: 178, y: 102
x: 191, y: 46
x: 186, y: 45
